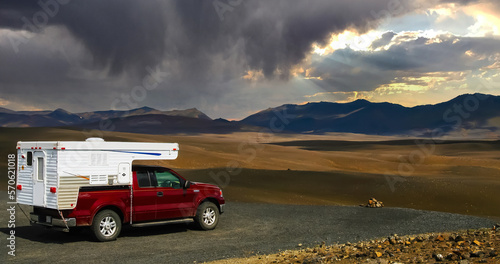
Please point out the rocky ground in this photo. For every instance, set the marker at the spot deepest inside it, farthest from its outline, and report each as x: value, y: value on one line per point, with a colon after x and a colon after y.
x: 471, y: 246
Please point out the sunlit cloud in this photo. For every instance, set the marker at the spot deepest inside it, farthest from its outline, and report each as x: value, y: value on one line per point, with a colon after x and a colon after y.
x: 484, y: 26
x: 487, y: 19
x: 4, y: 102
x: 253, y: 76
x: 339, y: 97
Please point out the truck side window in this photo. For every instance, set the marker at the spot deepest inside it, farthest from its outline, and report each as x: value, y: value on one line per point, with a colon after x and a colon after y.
x: 167, y: 179
x: 29, y: 158
x: 143, y: 179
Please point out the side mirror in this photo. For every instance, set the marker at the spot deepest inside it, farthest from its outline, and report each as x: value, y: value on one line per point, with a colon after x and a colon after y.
x: 187, y: 184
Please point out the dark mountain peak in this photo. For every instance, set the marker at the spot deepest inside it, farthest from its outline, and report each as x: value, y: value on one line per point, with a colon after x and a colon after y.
x: 7, y: 111
x: 222, y: 120
x: 64, y: 116
x: 145, y: 108
x: 474, y: 94
x: 361, y: 101
x: 191, y: 112
x: 61, y: 111
x: 141, y: 110
x: 479, y: 96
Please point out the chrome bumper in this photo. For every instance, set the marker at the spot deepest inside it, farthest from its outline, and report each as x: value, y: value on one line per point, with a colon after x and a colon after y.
x: 50, y: 221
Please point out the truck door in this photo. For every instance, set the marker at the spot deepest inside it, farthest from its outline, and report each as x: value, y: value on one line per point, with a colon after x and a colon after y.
x: 144, y: 198
x: 39, y: 178
x: 174, y: 201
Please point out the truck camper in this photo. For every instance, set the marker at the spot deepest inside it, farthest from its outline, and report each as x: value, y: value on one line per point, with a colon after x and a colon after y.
x: 94, y: 183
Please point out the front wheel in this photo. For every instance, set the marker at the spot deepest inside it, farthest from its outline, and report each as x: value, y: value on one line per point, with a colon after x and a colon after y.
x: 207, y: 216
x: 106, y: 226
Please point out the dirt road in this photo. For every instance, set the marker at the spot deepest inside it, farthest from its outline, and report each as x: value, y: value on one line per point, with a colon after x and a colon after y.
x: 244, y: 229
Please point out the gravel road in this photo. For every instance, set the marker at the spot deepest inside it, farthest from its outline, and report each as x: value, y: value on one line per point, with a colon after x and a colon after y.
x: 243, y: 230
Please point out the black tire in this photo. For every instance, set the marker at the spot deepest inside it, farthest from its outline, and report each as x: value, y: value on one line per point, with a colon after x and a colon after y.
x: 207, y: 216
x: 106, y: 226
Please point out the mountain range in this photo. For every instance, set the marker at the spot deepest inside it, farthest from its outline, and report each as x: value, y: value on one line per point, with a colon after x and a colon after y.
x: 468, y: 111
x: 465, y: 112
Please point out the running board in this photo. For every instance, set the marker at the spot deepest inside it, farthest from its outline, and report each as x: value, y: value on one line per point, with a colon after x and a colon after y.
x: 176, y: 221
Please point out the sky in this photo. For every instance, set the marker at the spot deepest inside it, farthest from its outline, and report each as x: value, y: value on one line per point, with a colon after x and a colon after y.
x: 232, y: 58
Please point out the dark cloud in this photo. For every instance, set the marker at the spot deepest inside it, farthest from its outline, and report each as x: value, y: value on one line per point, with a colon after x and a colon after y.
x: 449, y: 54
x: 119, y: 34
x: 384, y: 40
x: 271, y: 36
x: 345, y: 70
x: 349, y: 70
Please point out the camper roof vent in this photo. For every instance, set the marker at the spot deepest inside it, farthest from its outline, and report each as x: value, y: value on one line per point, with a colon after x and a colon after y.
x: 94, y: 139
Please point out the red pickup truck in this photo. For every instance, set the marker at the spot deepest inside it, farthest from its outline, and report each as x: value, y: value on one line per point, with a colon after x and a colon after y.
x: 157, y: 195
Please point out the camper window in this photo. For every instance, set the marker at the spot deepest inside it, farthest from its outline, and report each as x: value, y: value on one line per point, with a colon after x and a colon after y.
x: 40, y: 169
x: 29, y: 159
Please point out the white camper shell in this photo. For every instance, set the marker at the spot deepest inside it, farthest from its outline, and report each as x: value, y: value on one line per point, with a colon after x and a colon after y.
x: 50, y: 173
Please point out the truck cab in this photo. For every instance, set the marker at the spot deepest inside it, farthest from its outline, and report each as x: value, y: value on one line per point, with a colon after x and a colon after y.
x: 161, y: 193
x: 157, y: 195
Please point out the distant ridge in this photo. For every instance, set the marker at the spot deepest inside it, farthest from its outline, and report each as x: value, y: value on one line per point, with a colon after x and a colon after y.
x: 61, y: 117
x: 469, y: 112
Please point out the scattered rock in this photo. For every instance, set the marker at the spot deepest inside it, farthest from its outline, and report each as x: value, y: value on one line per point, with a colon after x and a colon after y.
x: 465, y: 255
x: 477, y: 254
x: 464, y: 247
x: 438, y: 257
x: 452, y: 256
x: 440, y: 238
x: 374, y: 203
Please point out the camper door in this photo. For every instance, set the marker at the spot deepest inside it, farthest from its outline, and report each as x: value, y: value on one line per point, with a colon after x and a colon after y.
x: 39, y: 171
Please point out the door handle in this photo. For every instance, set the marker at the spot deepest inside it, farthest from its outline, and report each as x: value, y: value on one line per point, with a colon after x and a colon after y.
x: 159, y: 194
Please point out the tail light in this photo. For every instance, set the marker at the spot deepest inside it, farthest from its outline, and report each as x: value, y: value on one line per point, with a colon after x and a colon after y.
x: 19, y: 187
x: 53, y: 189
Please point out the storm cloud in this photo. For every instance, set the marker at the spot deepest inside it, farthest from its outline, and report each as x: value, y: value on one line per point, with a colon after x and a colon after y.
x: 91, y: 52
x: 270, y: 36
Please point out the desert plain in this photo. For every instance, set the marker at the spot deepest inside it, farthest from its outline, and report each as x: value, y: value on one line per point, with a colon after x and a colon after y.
x: 448, y: 175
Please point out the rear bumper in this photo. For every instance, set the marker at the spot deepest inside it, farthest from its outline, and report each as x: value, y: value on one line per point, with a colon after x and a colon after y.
x: 50, y: 221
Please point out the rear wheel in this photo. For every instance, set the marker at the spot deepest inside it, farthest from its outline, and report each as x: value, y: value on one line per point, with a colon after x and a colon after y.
x: 207, y: 216
x: 106, y: 225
